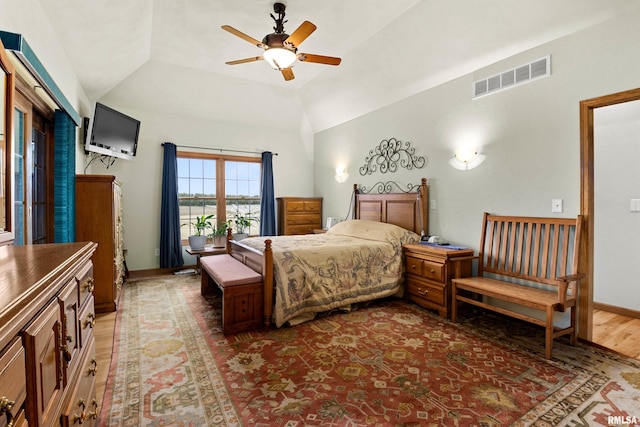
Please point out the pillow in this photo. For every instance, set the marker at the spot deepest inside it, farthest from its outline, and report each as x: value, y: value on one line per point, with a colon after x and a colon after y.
x: 374, y: 230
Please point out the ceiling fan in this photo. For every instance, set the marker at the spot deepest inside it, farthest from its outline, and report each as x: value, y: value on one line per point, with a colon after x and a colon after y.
x: 280, y: 48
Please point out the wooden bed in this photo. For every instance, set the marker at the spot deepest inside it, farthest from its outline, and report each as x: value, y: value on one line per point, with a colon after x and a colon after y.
x: 406, y: 209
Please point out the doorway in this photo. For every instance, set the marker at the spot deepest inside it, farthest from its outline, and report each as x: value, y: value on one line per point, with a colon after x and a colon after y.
x: 587, y: 202
x: 33, y: 171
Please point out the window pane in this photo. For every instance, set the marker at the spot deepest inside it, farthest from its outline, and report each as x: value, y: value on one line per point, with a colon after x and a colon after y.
x: 196, y: 167
x: 209, y: 187
x: 209, y: 169
x: 196, y: 187
x: 254, y: 171
x: 243, y: 188
x: 254, y: 189
x: 183, y: 187
x: 183, y: 167
x: 231, y: 188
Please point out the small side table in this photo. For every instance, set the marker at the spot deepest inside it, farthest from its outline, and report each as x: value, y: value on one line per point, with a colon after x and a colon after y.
x: 208, y: 250
x: 429, y: 270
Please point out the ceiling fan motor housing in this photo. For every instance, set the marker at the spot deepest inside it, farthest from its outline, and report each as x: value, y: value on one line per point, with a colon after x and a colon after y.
x: 277, y: 40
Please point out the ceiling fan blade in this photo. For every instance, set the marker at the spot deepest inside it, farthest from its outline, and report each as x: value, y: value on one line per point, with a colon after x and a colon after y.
x: 244, y: 36
x: 320, y: 59
x: 243, y: 61
x: 300, y: 34
x: 287, y: 73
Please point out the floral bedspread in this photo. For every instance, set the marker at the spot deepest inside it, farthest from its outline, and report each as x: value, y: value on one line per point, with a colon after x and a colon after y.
x: 319, y: 272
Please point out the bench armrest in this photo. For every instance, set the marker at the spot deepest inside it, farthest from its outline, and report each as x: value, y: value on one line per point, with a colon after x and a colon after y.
x: 563, y: 286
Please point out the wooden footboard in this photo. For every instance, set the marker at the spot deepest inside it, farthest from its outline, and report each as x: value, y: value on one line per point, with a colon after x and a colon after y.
x: 260, y: 262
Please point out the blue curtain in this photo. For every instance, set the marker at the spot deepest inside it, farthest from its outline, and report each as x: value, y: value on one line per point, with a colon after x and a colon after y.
x: 170, y: 245
x: 267, y: 203
x: 64, y: 175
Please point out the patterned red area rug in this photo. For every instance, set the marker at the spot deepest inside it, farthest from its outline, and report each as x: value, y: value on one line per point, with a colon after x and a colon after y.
x: 387, y: 364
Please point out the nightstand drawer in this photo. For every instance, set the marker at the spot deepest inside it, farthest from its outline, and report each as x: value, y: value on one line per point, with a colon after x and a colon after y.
x: 433, y: 271
x: 427, y: 292
x: 426, y: 269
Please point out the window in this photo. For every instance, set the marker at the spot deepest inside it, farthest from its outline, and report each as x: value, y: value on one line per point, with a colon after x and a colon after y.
x: 222, y: 186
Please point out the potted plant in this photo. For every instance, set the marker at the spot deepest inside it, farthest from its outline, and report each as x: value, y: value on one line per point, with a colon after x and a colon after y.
x: 198, y: 240
x: 219, y: 235
x: 242, y: 224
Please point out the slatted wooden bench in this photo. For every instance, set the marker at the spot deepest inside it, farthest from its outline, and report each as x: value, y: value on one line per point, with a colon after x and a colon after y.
x: 530, y: 262
x: 242, y: 299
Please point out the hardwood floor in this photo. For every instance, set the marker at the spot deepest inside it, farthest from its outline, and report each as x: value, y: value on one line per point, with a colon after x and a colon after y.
x: 617, y: 332
x: 614, y: 331
x: 104, y: 333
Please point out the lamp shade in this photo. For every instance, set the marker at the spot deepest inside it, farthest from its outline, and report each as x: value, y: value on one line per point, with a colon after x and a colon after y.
x: 279, y: 58
x: 465, y: 159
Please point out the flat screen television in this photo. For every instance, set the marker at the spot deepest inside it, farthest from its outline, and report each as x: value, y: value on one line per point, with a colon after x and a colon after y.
x: 112, y: 133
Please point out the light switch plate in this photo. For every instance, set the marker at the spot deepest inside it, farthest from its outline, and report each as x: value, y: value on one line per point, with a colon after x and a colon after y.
x: 635, y: 205
x: 556, y: 205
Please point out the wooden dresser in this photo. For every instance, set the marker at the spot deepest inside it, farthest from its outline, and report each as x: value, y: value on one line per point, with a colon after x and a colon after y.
x: 299, y: 215
x: 47, y: 350
x: 99, y: 219
x: 430, y: 269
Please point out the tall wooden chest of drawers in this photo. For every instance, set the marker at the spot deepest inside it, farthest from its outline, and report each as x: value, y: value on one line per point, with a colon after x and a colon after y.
x: 99, y: 219
x: 299, y: 215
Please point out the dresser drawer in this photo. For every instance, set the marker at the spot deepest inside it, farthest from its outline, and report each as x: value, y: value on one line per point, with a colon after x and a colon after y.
x: 82, y: 406
x: 304, y: 218
x: 13, y: 383
x: 312, y: 206
x: 85, y: 283
x: 425, y: 291
x: 86, y: 322
x: 301, y: 229
x: 427, y: 269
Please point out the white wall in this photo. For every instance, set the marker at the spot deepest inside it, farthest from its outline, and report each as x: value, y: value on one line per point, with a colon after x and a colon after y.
x: 530, y: 135
x: 617, y: 229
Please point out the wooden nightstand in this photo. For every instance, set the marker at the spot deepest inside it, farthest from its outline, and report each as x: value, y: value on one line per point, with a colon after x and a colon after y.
x: 429, y: 270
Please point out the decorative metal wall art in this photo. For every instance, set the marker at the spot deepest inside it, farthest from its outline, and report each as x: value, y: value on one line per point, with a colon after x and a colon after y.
x: 390, y: 154
x: 388, y: 188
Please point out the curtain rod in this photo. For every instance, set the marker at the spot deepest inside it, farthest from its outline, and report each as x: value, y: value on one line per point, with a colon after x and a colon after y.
x: 220, y: 149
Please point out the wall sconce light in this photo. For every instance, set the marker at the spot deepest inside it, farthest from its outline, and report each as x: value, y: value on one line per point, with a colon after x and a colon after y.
x: 341, y: 174
x: 466, y: 158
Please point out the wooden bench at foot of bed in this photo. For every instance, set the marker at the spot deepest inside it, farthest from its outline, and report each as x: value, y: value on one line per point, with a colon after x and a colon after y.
x: 541, y: 254
x: 242, y: 292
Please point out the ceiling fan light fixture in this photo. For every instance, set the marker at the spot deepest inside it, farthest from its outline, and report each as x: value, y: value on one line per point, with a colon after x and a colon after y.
x: 279, y: 57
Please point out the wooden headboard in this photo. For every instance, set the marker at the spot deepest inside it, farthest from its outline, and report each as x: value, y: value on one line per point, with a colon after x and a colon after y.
x: 407, y: 209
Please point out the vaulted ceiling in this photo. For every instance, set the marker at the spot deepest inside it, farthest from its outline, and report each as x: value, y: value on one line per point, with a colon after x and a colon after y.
x: 390, y: 49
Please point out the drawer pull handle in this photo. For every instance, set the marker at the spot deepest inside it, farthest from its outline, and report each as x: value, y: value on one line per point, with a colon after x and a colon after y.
x: 423, y: 291
x: 90, y: 320
x: 94, y: 368
x: 66, y: 353
x: 89, y: 286
x: 432, y: 271
x: 6, y: 405
x: 80, y: 418
x: 93, y: 415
